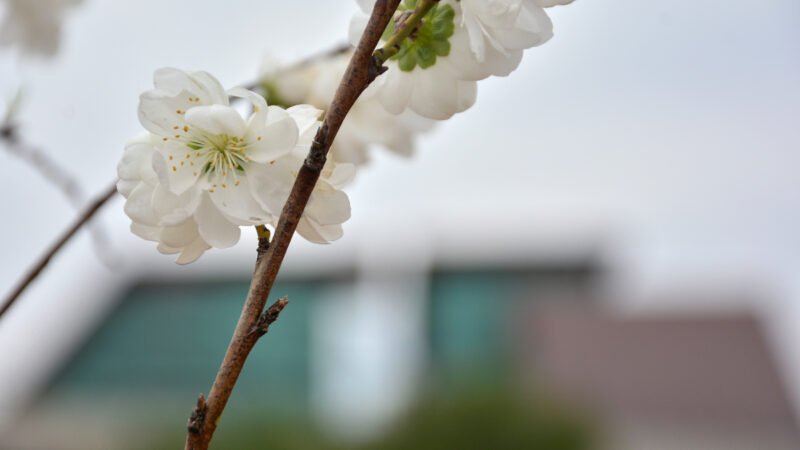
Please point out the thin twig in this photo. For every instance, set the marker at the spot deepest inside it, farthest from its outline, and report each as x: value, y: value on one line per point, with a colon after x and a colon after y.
x: 56, y: 175
x: 320, y: 56
x: 85, y: 217
x: 361, y: 71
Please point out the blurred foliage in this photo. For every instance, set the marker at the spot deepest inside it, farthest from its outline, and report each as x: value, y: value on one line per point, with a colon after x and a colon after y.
x: 476, y: 419
x: 489, y: 419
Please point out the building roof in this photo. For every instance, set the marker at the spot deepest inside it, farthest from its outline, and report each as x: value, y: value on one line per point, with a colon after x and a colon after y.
x: 717, y: 370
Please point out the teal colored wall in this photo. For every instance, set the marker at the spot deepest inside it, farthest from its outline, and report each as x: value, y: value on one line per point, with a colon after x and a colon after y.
x: 171, y: 338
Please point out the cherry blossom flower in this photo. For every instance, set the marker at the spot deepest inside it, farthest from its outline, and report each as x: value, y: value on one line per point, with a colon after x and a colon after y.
x: 203, y: 170
x: 457, y: 43
x: 368, y: 124
x: 138, y: 183
x: 426, y: 75
x: 328, y: 207
x: 499, y: 31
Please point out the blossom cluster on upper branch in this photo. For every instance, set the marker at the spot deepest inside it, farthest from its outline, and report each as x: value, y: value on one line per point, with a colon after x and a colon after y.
x: 203, y: 169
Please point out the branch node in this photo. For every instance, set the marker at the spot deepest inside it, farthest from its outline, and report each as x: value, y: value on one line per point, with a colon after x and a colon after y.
x: 317, y: 154
x: 268, y: 316
x: 263, y: 242
x: 8, y: 132
x: 198, y: 416
x: 263, y: 246
x: 376, y: 67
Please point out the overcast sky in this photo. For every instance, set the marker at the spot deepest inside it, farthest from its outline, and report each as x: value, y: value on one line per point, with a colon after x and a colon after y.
x: 670, y: 128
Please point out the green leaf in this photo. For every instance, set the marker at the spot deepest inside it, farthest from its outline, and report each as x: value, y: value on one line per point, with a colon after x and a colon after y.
x: 407, y: 61
x: 430, y: 40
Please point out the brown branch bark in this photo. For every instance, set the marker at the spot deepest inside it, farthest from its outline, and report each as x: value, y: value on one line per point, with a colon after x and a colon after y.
x: 361, y: 71
x: 83, y: 219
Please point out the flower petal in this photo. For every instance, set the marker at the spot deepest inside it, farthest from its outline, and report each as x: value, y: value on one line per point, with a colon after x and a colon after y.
x: 161, y: 113
x: 139, y: 206
x: 193, y: 251
x: 174, y: 209
x: 397, y: 88
x: 259, y: 103
x: 179, y: 236
x: 309, y: 232
x: 175, y: 166
x: 438, y: 95
x: 136, y: 159
x: 216, y: 119
x: 328, y: 207
x: 270, y: 184
x: 318, y: 234
x: 233, y: 197
x: 201, y: 85
x: 468, y: 64
x: 172, y: 81
x: 213, y: 227
x: 274, y: 138
x: 533, y: 27
x: 166, y: 249
x: 125, y: 187
x: 306, y: 116
x: 208, y: 86
x: 145, y: 232
x: 341, y: 174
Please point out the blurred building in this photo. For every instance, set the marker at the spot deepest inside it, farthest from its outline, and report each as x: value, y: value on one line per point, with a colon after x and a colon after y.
x: 668, y: 382
x: 443, y: 346
x: 351, y: 353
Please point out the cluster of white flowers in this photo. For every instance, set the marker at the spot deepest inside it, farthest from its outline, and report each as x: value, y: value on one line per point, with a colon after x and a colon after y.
x: 457, y: 43
x: 203, y: 170
x: 33, y: 25
x: 367, y: 125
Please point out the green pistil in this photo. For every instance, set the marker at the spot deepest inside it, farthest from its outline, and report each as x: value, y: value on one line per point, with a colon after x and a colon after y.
x: 430, y: 40
x: 222, y: 153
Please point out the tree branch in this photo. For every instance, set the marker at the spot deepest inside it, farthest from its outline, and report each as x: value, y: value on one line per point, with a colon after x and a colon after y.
x: 83, y: 219
x: 361, y: 71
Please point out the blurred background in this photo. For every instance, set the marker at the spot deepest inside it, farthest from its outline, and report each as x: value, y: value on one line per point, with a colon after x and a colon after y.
x: 602, y: 253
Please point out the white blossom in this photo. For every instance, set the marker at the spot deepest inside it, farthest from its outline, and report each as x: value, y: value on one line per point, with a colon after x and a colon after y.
x: 328, y: 207
x: 426, y: 75
x: 288, y: 86
x: 499, y: 31
x: 34, y: 25
x: 366, y: 126
x: 457, y: 43
x: 138, y: 183
x: 203, y: 170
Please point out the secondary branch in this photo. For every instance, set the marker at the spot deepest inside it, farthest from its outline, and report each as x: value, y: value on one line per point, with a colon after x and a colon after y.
x: 83, y: 219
